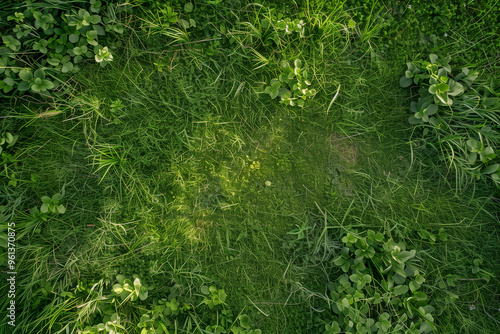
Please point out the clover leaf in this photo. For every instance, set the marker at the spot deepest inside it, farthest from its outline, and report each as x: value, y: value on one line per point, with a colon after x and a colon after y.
x: 11, y: 43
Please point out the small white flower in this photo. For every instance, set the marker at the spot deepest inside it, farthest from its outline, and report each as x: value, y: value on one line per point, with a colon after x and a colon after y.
x: 409, y: 6
x: 445, y: 35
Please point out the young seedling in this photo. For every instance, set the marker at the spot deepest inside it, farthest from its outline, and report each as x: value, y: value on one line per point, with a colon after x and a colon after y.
x: 52, y: 204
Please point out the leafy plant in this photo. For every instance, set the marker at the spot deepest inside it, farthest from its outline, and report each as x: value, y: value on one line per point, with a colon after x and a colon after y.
x: 9, y: 139
x: 379, y: 290
x: 26, y: 223
x: 440, y: 85
x: 116, y: 108
x: 480, y: 272
x: 160, y: 14
x: 52, y: 204
x: 60, y: 40
x: 49, y: 207
x: 291, y: 26
x: 214, y: 296
x: 37, y: 81
x: 457, y: 112
x: 187, y: 22
x: 292, y: 85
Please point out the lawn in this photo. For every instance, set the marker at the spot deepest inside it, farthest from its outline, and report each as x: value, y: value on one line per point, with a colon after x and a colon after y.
x: 250, y: 167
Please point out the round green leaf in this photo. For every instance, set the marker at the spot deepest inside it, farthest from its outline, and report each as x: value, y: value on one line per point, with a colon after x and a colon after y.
x: 39, y: 74
x: 434, y: 121
x: 100, y: 31
x: 53, y: 61
x: 474, y: 145
x: 48, y: 84
x: 244, y: 321
x: 24, y: 86
x: 9, y: 81
x: 184, y: 23
x: 405, y: 82
x: 490, y: 169
x: 119, y: 29
x: 44, y: 208
x: 456, y: 88
x: 274, y: 94
x: 9, y: 138
x: 442, y: 87
x: 431, y: 109
x: 73, y: 38
x: 298, y: 63
x: 67, y: 67
x: 117, y: 288
x: 78, y: 51
x: 61, y: 209
x: 92, y: 34
x: 95, y: 19
x: 400, y: 290
x: 284, y: 93
x: 25, y: 75
x: 143, y: 293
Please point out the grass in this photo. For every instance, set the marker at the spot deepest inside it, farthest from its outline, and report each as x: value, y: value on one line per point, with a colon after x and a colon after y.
x: 201, y: 179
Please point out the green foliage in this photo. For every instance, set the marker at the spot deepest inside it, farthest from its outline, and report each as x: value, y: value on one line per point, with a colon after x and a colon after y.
x: 181, y: 169
x: 465, y: 128
x: 431, y: 237
x: 405, y: 30
x: 127, y: 306
x: 103, y: 56
x: 480, y: 272
x: 9, y: 139
x: 292, y: 85
x: 45, y: 42
x: 440, y: 86
x: 380, y: 288
x: 52, y: 204
x: 26, y: 224
x: 289, y: 26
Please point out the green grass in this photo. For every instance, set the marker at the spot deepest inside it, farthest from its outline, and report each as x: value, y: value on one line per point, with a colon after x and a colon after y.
x: 200, y: 178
